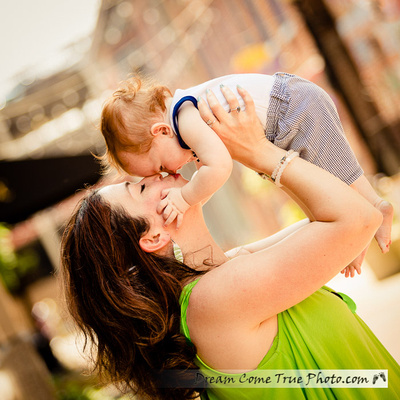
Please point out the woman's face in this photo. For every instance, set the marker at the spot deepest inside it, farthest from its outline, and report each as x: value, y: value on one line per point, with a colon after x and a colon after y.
x: 141, y: 199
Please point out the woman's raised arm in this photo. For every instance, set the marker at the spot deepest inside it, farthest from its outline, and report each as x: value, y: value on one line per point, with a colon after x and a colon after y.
x: 288, y: 272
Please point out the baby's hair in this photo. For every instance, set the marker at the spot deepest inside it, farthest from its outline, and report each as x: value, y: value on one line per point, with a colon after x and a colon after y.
x: 127, y: 117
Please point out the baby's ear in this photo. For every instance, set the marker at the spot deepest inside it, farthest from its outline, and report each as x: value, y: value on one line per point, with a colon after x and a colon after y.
x: 161, y: 128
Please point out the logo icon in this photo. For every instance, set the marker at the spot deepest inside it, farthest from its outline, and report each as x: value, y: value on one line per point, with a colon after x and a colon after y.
x: 377, y: 376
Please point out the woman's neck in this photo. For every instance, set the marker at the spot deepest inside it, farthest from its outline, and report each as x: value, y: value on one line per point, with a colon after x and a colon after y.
x: 204, y: 255
x: 200, y: 250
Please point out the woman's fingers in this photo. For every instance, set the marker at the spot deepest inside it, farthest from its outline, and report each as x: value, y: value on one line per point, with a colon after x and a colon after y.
x: 205, y: 112
x: 216, y: 108
x: 248, y: 101
x: 240, y: 130
x: 231, y: 99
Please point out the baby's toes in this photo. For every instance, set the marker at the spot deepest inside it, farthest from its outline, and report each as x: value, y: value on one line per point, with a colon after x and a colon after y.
x: 383, y: 234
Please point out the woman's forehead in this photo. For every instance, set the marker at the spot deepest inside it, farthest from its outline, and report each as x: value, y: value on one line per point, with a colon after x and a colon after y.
x: 117, y: 193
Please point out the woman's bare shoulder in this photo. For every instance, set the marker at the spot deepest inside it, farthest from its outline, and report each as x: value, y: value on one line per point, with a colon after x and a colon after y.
x: 213, y: 295
x: 218, y: 329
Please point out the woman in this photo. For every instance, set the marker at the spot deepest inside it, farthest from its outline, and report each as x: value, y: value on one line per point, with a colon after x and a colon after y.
x: 149, y: 313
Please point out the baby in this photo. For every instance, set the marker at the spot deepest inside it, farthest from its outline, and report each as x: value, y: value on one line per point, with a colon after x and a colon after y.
x: 148, y: 130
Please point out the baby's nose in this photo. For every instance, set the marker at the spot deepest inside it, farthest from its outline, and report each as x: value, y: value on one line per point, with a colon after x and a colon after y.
x: 153, y: 178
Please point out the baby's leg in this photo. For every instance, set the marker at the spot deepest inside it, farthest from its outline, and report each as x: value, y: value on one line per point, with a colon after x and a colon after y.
x: 383, y: 234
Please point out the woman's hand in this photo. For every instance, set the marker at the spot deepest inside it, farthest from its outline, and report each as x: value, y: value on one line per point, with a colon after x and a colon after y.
x: 241, y: 131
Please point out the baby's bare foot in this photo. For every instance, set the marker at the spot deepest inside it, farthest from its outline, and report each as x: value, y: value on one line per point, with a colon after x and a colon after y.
x: 383, y: 234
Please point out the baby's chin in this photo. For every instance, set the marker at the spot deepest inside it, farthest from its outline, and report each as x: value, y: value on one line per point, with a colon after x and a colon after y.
x: 179, y: 179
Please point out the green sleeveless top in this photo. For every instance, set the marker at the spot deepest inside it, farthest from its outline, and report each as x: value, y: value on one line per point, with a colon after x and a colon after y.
x: 321, y: 332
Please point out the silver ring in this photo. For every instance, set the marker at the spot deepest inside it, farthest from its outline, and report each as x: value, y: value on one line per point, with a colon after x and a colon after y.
x: 237, y: 109
x: 209, y: 122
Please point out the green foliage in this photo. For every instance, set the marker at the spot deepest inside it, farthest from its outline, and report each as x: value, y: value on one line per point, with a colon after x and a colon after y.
x: 14, y: 266
x: 74, y: 386
x: 72, y: 391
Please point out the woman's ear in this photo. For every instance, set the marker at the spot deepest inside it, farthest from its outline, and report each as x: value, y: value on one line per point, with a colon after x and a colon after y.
x: 161, y: 128
x: 151, y: 242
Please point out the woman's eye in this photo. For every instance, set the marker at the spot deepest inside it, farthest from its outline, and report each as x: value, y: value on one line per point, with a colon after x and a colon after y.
x: 142, y: 188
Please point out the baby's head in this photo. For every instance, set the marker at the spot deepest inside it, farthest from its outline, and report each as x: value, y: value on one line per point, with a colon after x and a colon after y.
x: 127, y: 118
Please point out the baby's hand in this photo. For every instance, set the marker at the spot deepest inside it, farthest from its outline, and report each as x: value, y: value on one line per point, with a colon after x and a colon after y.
x: 351, y: 271
x: 355, y: 265
x: 172, y: 206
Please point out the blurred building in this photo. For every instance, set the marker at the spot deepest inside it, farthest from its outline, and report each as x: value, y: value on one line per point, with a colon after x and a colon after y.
x: 183, y: 43
x: 371, y: 32
x: 48, y: 125
x: 348, y: 46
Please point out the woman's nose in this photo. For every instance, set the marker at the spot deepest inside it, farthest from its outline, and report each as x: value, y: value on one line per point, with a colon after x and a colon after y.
x: 153, y: 178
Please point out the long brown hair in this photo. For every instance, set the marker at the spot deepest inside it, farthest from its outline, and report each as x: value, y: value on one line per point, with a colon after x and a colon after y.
x: 125, y: 301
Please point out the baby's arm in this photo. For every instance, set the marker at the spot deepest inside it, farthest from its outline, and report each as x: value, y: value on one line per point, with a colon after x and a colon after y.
x: 215, y: 159
x: 268, y: 241
x: 216, y: 166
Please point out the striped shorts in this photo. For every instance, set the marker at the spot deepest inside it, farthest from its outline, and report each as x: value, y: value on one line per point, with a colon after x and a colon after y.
x: 301, y: 116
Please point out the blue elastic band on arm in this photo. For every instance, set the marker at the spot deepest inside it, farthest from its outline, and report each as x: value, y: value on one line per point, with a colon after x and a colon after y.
x: 175, y: 118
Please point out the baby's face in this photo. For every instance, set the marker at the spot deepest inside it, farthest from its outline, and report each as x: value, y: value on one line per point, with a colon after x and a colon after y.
x: 165, y: 155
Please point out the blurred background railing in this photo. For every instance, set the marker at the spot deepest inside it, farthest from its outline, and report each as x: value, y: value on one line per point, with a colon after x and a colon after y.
x: 48, y: 133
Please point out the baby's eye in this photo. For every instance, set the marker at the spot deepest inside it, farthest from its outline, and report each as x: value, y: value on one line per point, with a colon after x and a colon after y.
x: 142, y: 187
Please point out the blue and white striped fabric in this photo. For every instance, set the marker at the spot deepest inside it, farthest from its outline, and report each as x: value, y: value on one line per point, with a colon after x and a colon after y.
x: 301, y: 116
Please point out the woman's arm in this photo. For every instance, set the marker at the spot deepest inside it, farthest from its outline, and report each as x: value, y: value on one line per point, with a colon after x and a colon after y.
x: 278, y: 277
